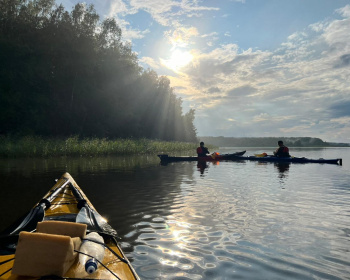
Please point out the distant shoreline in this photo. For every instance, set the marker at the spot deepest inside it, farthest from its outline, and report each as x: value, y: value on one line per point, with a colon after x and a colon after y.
x: 274, y: 147
x: 296, y: 142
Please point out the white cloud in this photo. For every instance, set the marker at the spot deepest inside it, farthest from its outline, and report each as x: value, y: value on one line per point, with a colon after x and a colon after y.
x: 296, y: 130
x: 298, y: 84
x: 345, y: 11
x: 150, y: 62
x: 118, y: 7
x: 130, y: 33
x: 212, y: 34
x: 342, y: 120
x: 167, y: 12
x: 181, y: 36
x: 317, y: 27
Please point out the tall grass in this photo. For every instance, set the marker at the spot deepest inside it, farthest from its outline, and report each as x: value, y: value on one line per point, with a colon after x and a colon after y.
x: 35, y: 146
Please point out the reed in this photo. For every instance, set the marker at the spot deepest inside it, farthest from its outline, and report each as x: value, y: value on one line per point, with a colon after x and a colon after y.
x: 36, y: 146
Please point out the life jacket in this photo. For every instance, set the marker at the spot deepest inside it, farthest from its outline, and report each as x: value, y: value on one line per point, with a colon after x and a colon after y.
x: 283, y: 152
x: 199, y: 151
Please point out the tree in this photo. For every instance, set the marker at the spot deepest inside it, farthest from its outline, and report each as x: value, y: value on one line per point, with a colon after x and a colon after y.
x: 68, y: 73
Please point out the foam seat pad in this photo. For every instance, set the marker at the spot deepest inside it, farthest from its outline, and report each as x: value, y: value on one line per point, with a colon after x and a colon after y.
x: 62, y: 228
x: 40, y: 254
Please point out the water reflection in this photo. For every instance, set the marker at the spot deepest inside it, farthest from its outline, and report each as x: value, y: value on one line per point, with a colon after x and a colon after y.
x: 237, y: 223
x: 201, y: 166
x: 24, y: 181
x: 283, y: 168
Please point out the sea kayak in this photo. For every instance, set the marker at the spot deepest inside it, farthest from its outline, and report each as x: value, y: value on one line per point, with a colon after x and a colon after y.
x: 212, y: 157
x: 289, y: 159
x: 64, y: 208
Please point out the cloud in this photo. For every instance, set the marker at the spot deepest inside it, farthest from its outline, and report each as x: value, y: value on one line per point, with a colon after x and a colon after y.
x: 345, y: 11
x: 214, y: 90
x: 181, y: 37
x: 241, y: 91
x: 212, y: 34
x: 340, y: 108
x: 341, y: 121
x: 297, y: 130
x: 224, y: 67
x: 299, y: 88
x: 168, y: 12
x: 344, y: 61
x: 119, y: 7
x: 292, y: 90
x: 130, y: 34
x: 150, y: 62
x: 262, y: 117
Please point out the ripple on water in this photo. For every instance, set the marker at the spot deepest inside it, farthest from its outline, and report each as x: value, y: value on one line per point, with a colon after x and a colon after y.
x: 225, y: 226
x: 233, y: 220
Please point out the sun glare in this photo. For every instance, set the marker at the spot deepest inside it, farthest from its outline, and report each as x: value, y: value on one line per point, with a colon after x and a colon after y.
x: 178, y: 59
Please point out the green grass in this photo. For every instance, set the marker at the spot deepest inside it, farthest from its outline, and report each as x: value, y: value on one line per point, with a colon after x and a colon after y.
x: 35, y: 146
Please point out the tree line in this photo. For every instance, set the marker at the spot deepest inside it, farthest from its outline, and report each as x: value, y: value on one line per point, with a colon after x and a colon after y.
x: 69, y: 73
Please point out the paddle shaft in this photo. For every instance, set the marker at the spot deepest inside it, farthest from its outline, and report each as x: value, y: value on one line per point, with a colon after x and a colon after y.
x: 46, y: 202
x: 78, y: 196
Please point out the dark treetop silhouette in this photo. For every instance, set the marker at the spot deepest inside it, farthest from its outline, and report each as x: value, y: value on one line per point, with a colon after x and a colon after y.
x: 65, y: 73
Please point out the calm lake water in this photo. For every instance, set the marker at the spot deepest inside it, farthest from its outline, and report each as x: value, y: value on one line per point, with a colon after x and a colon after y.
x: 227, y: 220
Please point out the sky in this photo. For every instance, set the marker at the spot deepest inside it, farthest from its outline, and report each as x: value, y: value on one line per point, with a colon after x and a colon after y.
x: 249, y: 68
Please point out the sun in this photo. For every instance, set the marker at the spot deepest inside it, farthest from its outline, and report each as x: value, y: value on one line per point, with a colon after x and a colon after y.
x: 178, y: 59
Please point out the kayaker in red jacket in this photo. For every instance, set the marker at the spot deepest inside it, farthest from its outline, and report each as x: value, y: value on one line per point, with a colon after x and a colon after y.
x: 201, y: 150
x: 282, y: 151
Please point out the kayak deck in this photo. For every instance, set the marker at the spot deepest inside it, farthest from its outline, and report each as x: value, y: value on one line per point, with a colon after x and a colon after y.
x: 166, y: 158
x: 290, y: 159
x: 66, y: 202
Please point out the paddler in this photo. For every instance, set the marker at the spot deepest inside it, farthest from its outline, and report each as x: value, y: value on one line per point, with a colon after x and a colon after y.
x: 201, y: 150
x: 282, y: 150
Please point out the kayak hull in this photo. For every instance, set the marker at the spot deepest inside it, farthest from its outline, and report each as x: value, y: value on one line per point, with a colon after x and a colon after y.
x: 289, y: 160
x: 66, y: 202
x: 166, y: 158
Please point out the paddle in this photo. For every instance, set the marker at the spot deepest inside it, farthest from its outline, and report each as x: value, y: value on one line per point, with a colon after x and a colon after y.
x: 89, y: 216
x: 37, y: 214
x: 266, y: 155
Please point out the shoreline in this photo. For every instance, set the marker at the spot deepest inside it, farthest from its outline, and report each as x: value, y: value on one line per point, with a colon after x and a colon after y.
x: 37, y: 146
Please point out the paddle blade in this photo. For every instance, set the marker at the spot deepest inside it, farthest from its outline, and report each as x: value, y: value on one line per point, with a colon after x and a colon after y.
x: 94, y: 221
x: 30, y: 221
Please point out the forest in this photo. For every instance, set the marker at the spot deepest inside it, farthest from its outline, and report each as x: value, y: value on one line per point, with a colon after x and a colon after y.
x: 69, y: 73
